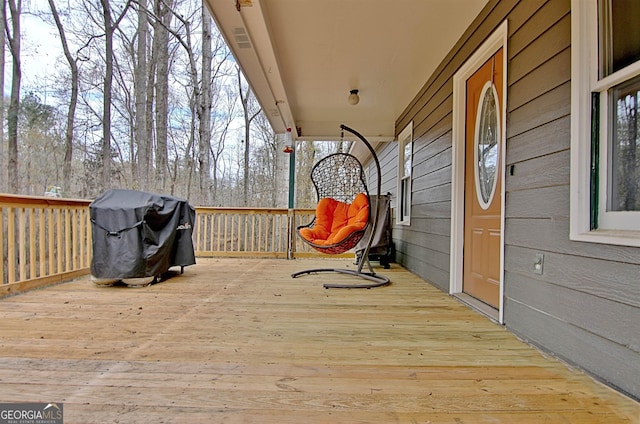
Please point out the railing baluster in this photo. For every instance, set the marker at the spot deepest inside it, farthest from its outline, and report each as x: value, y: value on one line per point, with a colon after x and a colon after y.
x: 41, y: 245
x: 22, y: 244
x: 253, y: 232
x: 50, y: 225
x: 217, y: 218
x: 33, y: 258
x: 206, y: 235
x: 247, y: 232
x: 74, y: 239
x: 11, y: 245
x: 67, y: 239
x: 81, y: 237
x: 2, y: 241
x: 260, y: 219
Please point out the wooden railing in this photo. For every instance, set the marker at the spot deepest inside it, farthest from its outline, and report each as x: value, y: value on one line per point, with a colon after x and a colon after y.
x: 47, y: 240
x: 251, y: 232
x: 44, y: 240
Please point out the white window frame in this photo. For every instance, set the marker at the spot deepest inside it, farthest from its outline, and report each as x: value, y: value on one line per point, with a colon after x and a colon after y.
x: 584, y: 81
x: 403, y: 214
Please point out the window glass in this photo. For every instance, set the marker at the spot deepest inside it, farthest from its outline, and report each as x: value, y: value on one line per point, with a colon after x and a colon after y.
x: 407, y: 159
x: 405, y: 154
x: 625, y: 148
x: 405, y: 195
x: 619, y: 34
x: 487, y: 147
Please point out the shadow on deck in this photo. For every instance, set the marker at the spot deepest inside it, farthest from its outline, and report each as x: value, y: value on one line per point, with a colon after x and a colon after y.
x: 238, y: 340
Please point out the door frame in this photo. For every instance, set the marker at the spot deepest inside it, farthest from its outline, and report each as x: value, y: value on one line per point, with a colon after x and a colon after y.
x: 498, y: 39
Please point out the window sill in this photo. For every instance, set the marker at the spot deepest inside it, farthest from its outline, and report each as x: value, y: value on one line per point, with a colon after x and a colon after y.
x: 615, y: 237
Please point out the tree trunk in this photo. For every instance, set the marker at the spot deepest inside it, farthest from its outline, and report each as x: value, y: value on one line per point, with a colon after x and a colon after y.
x: 106, y: 99
x: 140, y: 90
x: 73, y: 101
x: 205, y: 111
x: 245, y: 167
x: 14, y: 105
x: 3, y: 39
x: 195, y: 106
x: 161, y: 63
x: 245, y: 99
x: 109, y: 27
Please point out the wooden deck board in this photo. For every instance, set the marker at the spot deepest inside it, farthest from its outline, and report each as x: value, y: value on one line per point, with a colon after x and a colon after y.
x: 238, y: 340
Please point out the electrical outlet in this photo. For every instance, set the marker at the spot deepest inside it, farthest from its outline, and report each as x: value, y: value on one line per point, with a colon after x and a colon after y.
x: 538, y: 263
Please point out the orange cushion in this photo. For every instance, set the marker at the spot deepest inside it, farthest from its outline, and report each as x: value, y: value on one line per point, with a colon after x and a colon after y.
x: 336, y: 220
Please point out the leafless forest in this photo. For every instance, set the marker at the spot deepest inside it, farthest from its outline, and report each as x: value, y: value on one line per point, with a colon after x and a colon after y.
x: 144, y: 94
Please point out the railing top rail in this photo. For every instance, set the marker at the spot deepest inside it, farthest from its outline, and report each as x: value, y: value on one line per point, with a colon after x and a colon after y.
x: 247, y: 209
x: 15, y: 199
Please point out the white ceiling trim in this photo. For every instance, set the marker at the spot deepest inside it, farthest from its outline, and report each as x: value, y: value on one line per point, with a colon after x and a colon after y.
x: 246, y: 34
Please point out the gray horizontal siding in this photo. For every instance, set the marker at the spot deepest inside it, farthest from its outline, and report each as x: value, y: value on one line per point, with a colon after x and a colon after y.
x: 543, y: 36
x: 552, y: 235
x: 577, y: 308
x: 586, y: 305
x: 548, y: 107
x: 526, y: 204
x: 588, y: 276
x: 528, y: 174
x: 551, y: 137
x: 612, y: 363
x: 388, y: 157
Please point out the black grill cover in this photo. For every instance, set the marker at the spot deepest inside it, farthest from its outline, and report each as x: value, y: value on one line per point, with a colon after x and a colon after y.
x: 138, y: 234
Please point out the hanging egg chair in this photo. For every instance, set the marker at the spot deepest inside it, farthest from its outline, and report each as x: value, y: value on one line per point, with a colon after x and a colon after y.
x: 343, y: 213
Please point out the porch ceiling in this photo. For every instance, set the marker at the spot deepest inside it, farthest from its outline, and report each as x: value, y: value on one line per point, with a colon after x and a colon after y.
x: 302, y: 57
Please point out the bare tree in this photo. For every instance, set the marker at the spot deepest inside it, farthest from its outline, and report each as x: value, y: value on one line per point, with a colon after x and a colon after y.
x: 194, y: 89
x: 41, y: 148
x: 106, y: 101
x: 160, y: 65
x: 266, y: 164
x: 226, y: 101
x: 250, y: 111
x: 306, y: 156
x: 13, y: 38
x: 204, y: 111
x: 73, y: 101
x: 3, y: 40
x: 142, y: 139
x: 171, y: 122
x: 109, y: 28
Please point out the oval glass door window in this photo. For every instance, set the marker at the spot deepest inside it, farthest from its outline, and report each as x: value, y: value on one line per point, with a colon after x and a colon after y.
x: 486, y: 141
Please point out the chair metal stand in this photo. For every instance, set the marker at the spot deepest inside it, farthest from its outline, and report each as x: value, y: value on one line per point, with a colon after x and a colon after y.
x: 375, y: 280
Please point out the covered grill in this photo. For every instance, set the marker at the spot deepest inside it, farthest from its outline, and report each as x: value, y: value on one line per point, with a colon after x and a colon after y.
x: 138, y: 234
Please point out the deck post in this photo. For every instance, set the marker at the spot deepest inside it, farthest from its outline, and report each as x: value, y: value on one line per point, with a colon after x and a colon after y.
x: 291, y: 222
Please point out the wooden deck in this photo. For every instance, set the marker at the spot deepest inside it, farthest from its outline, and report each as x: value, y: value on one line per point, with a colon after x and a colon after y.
x: 238, y: 340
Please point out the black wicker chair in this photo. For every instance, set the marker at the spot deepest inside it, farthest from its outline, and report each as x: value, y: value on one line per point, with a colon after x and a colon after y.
x: 340, y: 176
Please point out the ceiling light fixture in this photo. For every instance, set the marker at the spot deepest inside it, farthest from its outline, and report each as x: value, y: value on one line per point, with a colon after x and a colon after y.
x: 353, y: 97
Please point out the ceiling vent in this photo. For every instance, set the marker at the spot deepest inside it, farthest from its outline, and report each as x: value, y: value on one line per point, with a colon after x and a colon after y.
x: 241, y: 38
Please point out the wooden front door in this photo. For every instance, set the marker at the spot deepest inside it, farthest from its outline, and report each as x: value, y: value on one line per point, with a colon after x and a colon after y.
x: 483, y: 182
